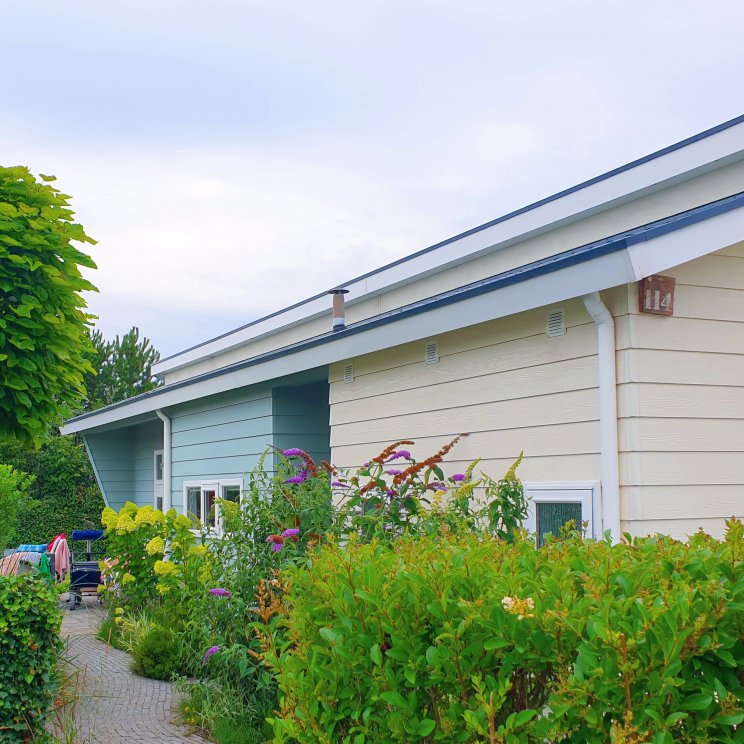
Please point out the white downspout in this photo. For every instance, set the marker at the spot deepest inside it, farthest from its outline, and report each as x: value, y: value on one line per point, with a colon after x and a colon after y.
x: 607, y: 413
x: 166, y: 459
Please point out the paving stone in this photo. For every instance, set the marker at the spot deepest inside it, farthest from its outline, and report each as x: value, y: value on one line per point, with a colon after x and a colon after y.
x: 116, y: 706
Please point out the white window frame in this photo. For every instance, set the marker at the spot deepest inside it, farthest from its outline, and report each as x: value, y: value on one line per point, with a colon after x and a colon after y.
x: 217, y: 486
x: 555, y: 492
x: 155, y: 480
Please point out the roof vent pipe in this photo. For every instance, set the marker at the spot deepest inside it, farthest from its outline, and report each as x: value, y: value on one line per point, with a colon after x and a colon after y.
x: 339, y: 313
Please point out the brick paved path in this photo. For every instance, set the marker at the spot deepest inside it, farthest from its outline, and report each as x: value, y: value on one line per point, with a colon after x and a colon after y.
x: 116, y: 706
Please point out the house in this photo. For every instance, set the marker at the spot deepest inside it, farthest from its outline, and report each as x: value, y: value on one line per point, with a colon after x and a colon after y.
x: 600, y: 330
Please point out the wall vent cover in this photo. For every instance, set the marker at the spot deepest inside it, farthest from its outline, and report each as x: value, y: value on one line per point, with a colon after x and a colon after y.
x: 432, y: 353
x: 349, y: 373
x: 556, y: 323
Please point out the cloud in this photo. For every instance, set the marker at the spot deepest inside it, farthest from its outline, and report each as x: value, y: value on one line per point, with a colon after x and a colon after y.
x: 235, y: 158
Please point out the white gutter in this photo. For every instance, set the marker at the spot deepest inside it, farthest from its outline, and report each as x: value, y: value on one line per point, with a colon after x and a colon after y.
x: 166, y: 458
x: 607, y: 413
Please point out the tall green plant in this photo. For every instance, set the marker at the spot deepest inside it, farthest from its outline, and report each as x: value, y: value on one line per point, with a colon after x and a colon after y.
x: 29, y: 650
x: 14, y: 487
x: 43, y: 322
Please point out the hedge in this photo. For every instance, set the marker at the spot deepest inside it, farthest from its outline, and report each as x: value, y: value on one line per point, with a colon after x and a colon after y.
x: 29, y: 649
x: 464, y: 639
x: 65, y: 494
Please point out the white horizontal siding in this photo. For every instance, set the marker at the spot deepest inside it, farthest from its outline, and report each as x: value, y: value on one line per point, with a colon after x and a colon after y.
x: 505, y: 383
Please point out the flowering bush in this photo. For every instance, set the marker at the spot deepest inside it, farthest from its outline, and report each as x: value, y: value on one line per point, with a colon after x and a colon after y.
x: 466, y: 638
x: 137, y: 538
x: 393, y: 494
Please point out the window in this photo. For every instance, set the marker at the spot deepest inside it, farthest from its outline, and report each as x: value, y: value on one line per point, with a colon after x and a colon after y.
x: 201, y: 501
x: 552, y: 505
x: 158, y: 480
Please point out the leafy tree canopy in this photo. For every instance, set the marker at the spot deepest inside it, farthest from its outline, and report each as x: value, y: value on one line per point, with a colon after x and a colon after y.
x: 123, y: 366
x: 43, y: 323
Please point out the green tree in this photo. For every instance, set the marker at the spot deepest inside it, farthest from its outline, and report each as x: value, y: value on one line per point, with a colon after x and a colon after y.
x: 43, y: 323
x: 123, y: 368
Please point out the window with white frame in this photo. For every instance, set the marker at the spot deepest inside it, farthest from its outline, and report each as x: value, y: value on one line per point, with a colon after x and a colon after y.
x: 201, y: 500
x: 552, y: 505
x: 158, y: 480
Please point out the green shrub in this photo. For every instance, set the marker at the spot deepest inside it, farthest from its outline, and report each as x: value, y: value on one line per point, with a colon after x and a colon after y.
x: 461, y: 638
x: 14, y: 487
x: 29, y: 648
x: 156, y: 654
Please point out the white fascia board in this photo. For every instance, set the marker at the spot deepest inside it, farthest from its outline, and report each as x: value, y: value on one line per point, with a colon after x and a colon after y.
x: 674, y: 248
x: 696, y: 158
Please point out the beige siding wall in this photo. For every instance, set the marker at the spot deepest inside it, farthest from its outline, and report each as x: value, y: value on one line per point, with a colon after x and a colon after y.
x: 669, y: 201
x: 504, y: 382
x: 681, y: 402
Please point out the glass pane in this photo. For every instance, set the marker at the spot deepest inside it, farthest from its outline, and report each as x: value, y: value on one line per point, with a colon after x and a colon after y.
x: 550, y: 516
x: 210, y: 495
x: 159, y: 503
x: 193, y: 501
x: 158, y: 467
x: 231, y: 493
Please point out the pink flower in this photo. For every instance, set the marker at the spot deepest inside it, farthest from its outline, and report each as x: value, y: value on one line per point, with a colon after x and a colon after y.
x: 293, y: 452
x: 457, y: 477
x: 218, y: 592
x: 292, y: 532
x: 393, y: 471
x: 211, y: 650
x: 405, y: 454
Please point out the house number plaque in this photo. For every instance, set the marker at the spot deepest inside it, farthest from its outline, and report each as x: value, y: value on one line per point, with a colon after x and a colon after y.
x: 656, y: 295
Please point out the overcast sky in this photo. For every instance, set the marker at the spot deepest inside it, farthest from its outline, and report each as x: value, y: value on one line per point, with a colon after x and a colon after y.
x: 232, y: 157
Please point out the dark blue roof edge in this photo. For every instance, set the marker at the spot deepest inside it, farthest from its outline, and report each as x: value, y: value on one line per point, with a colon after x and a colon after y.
x: 546, y: 200
x: 531, y: 270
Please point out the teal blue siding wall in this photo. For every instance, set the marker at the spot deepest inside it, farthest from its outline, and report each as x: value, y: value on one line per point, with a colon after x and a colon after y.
x: 147, y: 438
x: 301, y: 419
x: 219, y: 437
x: 112, y: 454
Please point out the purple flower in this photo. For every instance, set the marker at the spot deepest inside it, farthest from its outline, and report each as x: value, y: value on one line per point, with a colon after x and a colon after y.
x: 291, y: 532
x: 437, y: 485
x: 211, y: 650
x: 296, y: 479
x: 457, y: 477
x: 219, y: 592
x: 293, y: 452
x: 405, y: 454
x: 276, y: 547
x: 393, y: 471
x: 390, y: 492
x: 338, y: 484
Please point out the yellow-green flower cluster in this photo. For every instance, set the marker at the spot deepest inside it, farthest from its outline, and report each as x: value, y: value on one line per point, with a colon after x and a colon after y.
x: 127, y: 578
x: 156, y: 546
x: 108, y: 518
x: 198, y: 550
x: 124, y: 523
x: 164, y: 568
x: 149, y: 516
x: 182, y: 521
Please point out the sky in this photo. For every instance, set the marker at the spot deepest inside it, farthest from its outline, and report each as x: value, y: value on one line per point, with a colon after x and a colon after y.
x: 232, y: 157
